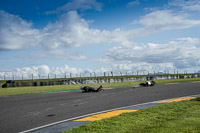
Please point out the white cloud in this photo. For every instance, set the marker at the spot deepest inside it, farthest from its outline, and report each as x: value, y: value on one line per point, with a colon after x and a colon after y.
x: 165, y: 20
x: 60, y: 54
x: 154, y: 22
x: 69, y: 30
x: 78, y: 5
x: 182, y: 53
x: 27, y: 72
x: 133, y: 3
x: 16, y: 33
x: 53, y: 54
x: 73, y: 31
x: 43, y: 71
x: 193, y: 5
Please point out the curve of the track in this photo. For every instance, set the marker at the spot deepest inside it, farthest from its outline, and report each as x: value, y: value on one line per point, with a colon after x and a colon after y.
x: 19, y: 113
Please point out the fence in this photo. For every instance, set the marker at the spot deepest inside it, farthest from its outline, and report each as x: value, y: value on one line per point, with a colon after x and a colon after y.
x: 92, y: 74
x: 98, y: 80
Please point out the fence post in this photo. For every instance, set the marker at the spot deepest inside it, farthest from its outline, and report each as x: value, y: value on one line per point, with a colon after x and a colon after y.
x: 32, y: 76
x: 121, y: 73
x: 112, y: 73
x: 70, y: 75
x: 177, y: 75
x: 48, y: 75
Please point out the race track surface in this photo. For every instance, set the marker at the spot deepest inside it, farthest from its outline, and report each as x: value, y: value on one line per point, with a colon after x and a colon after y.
x: 20, y: 113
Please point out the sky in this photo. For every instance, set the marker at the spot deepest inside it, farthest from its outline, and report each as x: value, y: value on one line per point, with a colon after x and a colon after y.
x: 85, y: 37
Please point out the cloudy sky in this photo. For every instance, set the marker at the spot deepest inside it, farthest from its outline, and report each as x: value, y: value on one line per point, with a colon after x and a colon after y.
x: 86, y: 36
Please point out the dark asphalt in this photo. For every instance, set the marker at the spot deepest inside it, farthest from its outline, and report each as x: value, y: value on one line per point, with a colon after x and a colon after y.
x: 20, y: 113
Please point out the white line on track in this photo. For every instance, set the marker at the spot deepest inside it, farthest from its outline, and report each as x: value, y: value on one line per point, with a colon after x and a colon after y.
x: 62, y: 104
x: 83, y: 103
x: 77, y: 100
x: 48, y: 109
x: 104, y: 94
x: 92, y: 97
x: 78, y: 117
x: 32, y: 114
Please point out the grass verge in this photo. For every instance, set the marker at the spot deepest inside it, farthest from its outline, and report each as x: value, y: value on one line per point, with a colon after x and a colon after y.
x: 173, y: 117
x: 58, y: 88
x: 177, y: 80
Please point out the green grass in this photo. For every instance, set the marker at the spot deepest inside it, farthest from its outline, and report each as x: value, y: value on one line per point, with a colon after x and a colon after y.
x: 177, y: 80
x: 57, y: 88
x: 34, y: 90
x: 176, y: 117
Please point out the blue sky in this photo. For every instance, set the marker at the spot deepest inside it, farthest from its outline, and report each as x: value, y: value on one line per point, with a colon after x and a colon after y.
x: 86, y: 36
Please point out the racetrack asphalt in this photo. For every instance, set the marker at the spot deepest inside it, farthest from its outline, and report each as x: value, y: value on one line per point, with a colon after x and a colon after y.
x: 24, y: 112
